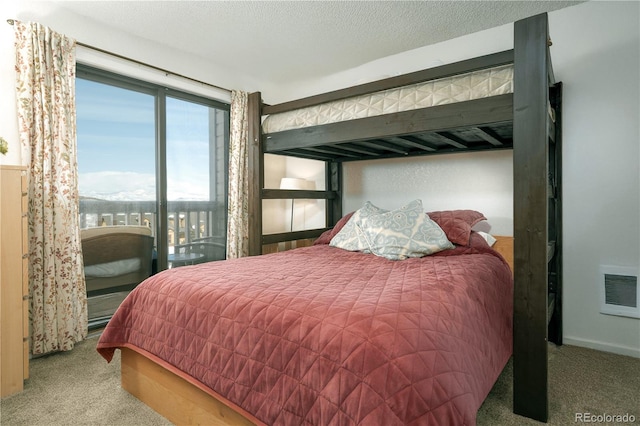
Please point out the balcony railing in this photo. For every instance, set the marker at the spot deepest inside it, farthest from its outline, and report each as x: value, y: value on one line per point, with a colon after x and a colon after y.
x: 188, y: 221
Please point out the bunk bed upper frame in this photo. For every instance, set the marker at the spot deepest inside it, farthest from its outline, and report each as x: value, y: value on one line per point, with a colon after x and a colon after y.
x: 518, y: 121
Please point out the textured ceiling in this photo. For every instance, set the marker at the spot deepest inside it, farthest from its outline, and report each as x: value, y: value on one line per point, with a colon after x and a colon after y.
x: 279, y: 41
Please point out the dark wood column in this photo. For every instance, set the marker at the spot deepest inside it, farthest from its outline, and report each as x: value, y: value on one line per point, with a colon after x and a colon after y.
x: 530, y: 164
x: 255, y: 174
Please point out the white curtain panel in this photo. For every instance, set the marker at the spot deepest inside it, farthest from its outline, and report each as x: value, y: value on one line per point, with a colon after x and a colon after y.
x: 238, y: 211
x: 45, y: 88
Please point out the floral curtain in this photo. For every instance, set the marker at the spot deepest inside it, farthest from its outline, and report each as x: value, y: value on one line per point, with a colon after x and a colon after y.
x: 45, y: 89
x: 238, y: 211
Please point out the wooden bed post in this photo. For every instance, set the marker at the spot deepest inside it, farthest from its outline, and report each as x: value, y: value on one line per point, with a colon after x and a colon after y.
x: 555, y: 218
x: 333, y: 173
x: 255, y: 174
x: 530, y: 164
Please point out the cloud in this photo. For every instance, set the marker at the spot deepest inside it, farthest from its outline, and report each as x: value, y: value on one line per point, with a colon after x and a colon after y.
x: 131, y: 186
x: 118, y: 186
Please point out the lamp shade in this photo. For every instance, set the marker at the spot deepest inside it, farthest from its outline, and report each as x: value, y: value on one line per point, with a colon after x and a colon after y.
x: 293, y: 183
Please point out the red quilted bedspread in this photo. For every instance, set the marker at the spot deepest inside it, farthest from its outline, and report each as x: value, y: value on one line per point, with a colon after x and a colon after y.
x: 320, y: 336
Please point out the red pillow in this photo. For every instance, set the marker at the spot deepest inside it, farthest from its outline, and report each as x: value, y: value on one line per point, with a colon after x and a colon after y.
x: 457, y: 224
x: 327, y: 236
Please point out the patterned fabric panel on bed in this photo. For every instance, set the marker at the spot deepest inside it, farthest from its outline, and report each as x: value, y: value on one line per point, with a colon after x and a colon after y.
x: 321, y: 336
x: 465, y: 87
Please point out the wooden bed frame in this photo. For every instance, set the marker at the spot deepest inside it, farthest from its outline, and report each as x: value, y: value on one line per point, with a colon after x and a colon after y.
x: 532, y: 120
x: 537, y: 253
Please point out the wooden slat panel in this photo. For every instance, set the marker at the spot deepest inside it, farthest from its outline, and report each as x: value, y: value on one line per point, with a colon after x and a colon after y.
x: 452, y: 140
x: 446, y: 150
x: 287, y: 245
x: 288, y: 194
x: 291, y: 236
x: 334, y: 182
x: 387, y: 146
x: 551, y: 303
x: 448, y: 70
x: 555, y: 327
x: 306, y: 152
x: 490, y: 136
x: 359, y: 149
x: 415, y: 142
x: 479, y: 112
x: 339, y: 152
x: 530, y: 156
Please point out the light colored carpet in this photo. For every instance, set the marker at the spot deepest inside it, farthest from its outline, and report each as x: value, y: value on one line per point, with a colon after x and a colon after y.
x: 581, y: 380
x: 80, y: 388
x: 76, y: 388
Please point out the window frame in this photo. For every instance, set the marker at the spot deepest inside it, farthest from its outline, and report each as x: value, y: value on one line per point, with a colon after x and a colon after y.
x: 160, y: 94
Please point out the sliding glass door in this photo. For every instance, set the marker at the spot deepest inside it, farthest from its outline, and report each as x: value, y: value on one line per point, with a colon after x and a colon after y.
x: 116, y: 162
x: 196, y: 158
x: 154, y: 158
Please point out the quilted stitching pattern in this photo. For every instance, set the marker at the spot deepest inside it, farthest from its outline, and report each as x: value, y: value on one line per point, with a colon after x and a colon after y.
x: 474, y: 85
x: 351, y: 338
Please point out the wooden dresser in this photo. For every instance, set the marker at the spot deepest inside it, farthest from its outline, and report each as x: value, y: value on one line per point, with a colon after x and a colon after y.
x: 14, y: 296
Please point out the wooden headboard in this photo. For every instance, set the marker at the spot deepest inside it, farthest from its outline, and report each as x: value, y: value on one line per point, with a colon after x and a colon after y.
x: 504, y: 246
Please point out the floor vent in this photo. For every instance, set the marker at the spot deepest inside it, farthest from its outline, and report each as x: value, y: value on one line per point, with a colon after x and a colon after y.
x: 620, y: 294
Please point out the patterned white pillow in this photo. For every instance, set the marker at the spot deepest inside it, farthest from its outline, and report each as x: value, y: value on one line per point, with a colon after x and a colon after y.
x: 349, y: 237
x: 403, y: 233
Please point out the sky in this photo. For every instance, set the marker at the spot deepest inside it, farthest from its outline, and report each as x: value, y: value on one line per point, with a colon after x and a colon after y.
x: 116, y: 145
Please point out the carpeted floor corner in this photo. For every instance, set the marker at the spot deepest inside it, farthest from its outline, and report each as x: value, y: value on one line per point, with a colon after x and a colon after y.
x: 581, y: 380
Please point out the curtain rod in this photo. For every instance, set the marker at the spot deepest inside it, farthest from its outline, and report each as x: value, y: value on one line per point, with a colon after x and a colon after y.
x: 12, y: 22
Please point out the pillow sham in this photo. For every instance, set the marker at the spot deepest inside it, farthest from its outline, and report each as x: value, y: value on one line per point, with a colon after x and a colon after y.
x: 327, y: 236
x: 403, y: 233
x: 457, y: 224
x: 490, y: 239
x: 349, y: 238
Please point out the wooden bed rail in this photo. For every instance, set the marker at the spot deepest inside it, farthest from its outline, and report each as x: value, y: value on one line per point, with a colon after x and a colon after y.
x: 172, y: 396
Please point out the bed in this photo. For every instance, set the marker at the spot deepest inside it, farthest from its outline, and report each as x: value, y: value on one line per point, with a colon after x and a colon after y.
x: 419, y: 341
x: 528, y: 121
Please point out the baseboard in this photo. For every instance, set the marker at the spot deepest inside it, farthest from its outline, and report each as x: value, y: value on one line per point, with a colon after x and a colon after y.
x: 602, y: 346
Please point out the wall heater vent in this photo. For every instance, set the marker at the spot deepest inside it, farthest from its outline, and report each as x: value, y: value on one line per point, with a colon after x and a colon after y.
x: 620, y: 294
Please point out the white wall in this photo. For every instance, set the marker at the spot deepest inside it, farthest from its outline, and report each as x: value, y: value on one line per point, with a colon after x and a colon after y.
x: 596, y: 54
x: 480, y: 181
